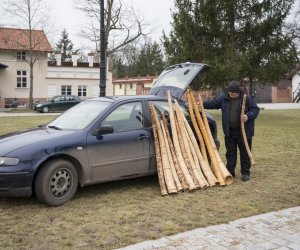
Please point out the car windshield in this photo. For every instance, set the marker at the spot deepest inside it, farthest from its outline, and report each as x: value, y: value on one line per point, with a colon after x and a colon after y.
x: 80, y: 116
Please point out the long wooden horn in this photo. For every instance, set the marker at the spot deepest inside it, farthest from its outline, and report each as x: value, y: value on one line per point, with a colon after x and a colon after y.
x: 175, y: 176
x: 225, y: 173
x: 174, y: 156
x: 181, y: 162
x: 244, y: 133
x: 211, y: 179
x: 160, y: 173
x: 189, y: 137
x: 165, y: 161
x: 207, y: 140
x: 186, y: 148
x: 197, y: 130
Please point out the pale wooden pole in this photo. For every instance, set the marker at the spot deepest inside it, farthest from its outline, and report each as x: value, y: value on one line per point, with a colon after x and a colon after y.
x: 244, y: 133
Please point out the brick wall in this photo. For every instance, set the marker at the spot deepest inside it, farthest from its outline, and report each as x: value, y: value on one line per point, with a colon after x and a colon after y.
x: 284, y: 96
x: 264, y: 94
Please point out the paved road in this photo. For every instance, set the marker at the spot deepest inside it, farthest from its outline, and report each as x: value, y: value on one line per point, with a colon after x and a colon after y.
x: 275, y: 230
x: 279, y: 105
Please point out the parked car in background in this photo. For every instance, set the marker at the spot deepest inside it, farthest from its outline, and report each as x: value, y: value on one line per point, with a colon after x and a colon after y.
x: 98, y: 140
x: 57, y: 103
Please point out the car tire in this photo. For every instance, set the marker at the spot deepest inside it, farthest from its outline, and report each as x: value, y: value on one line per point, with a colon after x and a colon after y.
x: 56, y: 182
x: 45, y: 109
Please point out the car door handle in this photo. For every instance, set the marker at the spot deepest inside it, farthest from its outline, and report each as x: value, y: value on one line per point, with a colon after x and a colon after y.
x: 142, y: 137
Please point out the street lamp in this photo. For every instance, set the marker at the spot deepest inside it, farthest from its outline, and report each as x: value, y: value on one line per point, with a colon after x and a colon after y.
x: 102, y: 84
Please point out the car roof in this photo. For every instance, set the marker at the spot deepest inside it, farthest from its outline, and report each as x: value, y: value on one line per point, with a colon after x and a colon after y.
x: 128, y: 97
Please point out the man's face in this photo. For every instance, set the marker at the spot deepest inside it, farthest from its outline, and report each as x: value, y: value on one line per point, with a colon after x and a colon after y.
x: 233, y: 95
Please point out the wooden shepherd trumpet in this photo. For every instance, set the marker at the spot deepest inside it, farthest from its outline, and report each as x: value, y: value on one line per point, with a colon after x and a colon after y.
x: 212, y: 153
x: 168, y: 175
x: 225, y: 173
x: 244, y: 133
x: 184, y: 169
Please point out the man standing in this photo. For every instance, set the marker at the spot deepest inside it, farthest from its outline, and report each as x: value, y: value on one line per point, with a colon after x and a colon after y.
x: 231, y: 105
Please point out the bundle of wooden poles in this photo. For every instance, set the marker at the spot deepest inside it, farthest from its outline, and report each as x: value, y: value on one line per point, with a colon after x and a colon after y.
x: 182, y: 162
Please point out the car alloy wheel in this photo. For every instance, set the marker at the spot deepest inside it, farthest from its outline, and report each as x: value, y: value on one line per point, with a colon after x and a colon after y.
x: 60, y: 182
x: 45, y: 109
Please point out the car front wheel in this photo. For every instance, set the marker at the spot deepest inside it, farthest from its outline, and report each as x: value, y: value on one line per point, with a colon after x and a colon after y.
x: 45, y: 109
x: 56, y: 182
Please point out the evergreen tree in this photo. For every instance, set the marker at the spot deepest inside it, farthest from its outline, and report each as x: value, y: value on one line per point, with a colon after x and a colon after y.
x: 146, y: 59
x: 65, y: 46
x: 244, y: 38
x: 150, y: 60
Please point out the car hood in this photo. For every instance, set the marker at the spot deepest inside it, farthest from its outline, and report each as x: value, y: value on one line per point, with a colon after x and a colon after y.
x: 44, y: 103
x: 177, y: 78
x: 16, y: 140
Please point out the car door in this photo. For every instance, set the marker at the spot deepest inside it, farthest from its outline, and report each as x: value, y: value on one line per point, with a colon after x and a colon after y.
x: 125, y: 152
x: 69, y: 102
x: 57, y: 103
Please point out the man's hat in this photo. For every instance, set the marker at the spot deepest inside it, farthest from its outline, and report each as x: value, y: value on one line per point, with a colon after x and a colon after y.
x: 234, y: 87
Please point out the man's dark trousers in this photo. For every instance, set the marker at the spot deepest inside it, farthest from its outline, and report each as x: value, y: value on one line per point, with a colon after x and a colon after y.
x: 232, y: 142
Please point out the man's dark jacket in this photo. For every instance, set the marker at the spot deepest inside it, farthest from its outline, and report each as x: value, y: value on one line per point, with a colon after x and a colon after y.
x: 223, y: 102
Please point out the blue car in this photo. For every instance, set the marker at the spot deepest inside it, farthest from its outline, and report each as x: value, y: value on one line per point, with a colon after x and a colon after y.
x: 98, y: 140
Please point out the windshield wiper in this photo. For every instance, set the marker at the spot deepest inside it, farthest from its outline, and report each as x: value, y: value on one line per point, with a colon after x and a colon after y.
x: 54, y: 127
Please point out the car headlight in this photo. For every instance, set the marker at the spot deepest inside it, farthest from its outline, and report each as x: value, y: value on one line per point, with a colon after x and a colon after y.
x: 38, y: 105
x: 8, y: 161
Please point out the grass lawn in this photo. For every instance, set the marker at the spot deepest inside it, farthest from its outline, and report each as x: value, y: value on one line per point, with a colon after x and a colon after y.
x: 117, y: 214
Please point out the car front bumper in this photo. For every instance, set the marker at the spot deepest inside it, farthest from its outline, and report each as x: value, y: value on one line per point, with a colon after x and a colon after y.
x: 37, y: 108
x: 15, y: 184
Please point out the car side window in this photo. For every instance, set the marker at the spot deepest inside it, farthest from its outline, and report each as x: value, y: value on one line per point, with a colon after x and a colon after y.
x: 126, y: 117
x: 163, y: 107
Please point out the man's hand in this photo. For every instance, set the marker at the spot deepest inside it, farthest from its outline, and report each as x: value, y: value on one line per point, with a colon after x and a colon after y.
x: 244, y: 118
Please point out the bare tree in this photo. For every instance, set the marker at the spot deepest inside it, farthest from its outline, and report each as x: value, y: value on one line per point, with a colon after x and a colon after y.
x: 31, y: 16
x: 122, y: 25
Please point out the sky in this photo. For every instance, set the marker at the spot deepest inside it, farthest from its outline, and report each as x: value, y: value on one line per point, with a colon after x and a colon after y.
x: 156, y: 14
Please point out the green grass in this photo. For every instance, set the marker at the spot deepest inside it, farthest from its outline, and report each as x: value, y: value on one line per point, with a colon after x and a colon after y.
x: 117, y: 214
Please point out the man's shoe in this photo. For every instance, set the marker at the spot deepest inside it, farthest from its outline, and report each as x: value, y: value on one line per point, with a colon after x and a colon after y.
x: 245, y: 177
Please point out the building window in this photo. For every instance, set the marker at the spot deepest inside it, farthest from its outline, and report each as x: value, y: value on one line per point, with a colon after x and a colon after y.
x: 120, y: 86
x: 131, y: 86
x: 66, y: 89
x: 21, y: 55
x: 21, y: 79
x: 81, y: 90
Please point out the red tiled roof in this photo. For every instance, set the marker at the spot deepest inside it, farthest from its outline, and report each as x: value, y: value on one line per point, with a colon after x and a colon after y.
x: 18, y: 39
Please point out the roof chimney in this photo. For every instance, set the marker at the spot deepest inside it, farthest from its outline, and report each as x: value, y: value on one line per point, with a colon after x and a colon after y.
x: 74, y: 59
x: 91, y: 59
x: 58, y: 58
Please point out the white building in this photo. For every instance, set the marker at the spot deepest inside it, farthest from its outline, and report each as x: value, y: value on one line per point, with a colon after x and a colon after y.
x: 49, y: 78
x: 133, y: 86
x: 76, y: 78
x: 296, y: 84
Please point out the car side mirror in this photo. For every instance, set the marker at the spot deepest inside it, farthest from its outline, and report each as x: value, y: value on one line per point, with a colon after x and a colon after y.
x: 104, y: 129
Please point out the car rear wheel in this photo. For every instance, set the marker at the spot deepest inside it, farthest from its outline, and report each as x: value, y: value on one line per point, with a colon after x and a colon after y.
x: 56, y: 182
x: 45, y: 109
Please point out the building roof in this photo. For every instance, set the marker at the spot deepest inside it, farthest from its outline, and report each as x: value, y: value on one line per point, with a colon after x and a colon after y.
x: 143, y: 79
x: 18, y: 39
